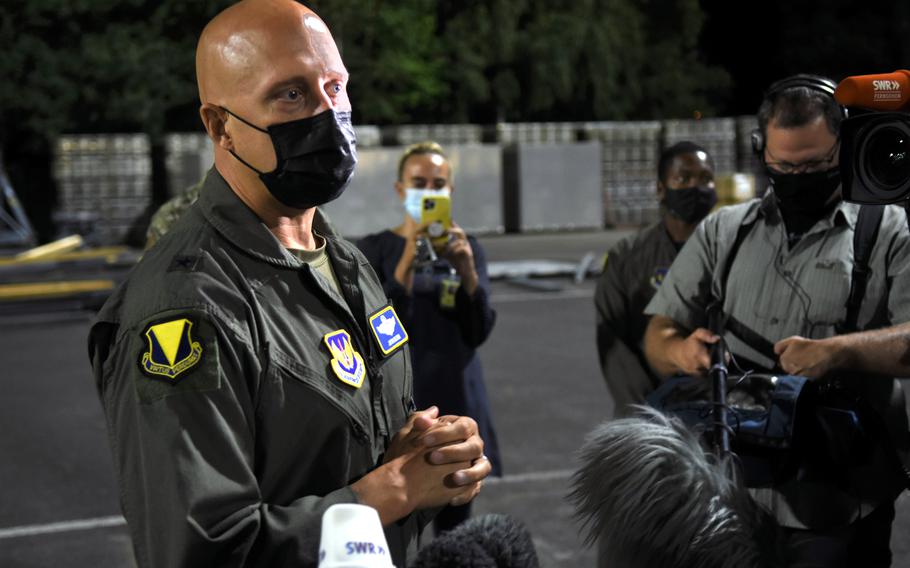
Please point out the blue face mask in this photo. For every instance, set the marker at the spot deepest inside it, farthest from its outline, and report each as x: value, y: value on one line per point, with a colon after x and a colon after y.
x: 413, y: 199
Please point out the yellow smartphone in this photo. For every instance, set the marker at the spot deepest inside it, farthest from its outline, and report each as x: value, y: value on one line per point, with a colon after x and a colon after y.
x: 436, y: 214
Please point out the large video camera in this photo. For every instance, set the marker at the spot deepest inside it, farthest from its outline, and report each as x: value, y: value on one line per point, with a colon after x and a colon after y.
x: 875, y: 140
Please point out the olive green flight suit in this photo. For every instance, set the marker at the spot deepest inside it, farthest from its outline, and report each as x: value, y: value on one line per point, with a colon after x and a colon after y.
x: 230, y: 426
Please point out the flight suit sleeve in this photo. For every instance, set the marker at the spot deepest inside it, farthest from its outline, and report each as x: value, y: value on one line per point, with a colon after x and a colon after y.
x: 627, y: 380
x: 178, y: 392
x: 685, y: 293
x: 474, y: 314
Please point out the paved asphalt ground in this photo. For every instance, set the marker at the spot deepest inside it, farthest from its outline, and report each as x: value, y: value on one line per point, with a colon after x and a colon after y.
x: 58, y: 500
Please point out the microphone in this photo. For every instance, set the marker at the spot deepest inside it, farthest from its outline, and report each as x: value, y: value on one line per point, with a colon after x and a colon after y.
x: 487, y: 541
x: 352, y: 537
x: 885, y: 91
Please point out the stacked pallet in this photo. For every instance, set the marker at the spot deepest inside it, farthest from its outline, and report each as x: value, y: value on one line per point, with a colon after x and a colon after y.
x: 629, y: 152
x: 536, y: 132
x: 104, y: 184
x: 189, y: 157
x: 716, y: 135
x: 444, y: 134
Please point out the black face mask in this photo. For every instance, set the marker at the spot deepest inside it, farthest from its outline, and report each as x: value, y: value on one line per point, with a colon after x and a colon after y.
x: 804, y: 198
x: 804, y: 193
x: 691, y: 204
x: 316, y: 158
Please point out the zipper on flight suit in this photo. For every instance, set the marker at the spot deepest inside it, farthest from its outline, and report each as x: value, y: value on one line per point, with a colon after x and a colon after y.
x: 355, y: 302
x: 361, y: 344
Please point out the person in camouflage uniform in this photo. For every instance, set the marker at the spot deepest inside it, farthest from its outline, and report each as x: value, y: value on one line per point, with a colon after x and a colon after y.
x: 168, y: 213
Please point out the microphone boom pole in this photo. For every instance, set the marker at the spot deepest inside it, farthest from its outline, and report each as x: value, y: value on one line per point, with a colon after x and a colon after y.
x: 718, y: 374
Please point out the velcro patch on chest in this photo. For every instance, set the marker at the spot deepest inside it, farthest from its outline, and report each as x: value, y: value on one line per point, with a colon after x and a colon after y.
x: 172, y: 352
x: 346, y: 362
x: 387, y: 330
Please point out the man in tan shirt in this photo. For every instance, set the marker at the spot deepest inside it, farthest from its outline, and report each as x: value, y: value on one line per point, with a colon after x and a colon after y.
x: 789, y: 283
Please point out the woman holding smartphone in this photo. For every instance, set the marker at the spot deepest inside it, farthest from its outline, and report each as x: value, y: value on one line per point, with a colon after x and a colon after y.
x: 436, y: 277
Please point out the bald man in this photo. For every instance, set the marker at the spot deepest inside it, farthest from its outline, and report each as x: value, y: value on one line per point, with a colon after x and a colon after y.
x: 251, y: 369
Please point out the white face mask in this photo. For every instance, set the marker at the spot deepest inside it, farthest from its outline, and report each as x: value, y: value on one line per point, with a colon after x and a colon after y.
x: 413, y: 199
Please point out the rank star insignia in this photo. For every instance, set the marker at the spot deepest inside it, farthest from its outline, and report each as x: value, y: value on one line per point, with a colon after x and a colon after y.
x: 346, y: 363
x: 171, y: 350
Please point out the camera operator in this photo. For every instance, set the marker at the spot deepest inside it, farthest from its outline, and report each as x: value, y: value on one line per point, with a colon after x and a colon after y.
x: 786, y: 262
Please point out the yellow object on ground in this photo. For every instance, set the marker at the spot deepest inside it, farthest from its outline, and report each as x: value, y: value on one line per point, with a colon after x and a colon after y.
x: 50, y: 250
x: 109, y: 253
x: 44, y: 290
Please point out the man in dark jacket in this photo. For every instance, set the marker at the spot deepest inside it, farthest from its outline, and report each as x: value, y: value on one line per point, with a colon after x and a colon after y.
x: 637, y: 265
x: 250, y: 369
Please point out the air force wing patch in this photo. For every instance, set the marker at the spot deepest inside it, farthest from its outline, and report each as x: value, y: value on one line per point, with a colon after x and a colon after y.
x: 347, y: 363
x: 172, y: 352
x: 388, y: 331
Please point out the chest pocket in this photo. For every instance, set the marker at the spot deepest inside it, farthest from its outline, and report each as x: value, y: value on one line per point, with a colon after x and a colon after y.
x: 317, y: 401
x: 311, y: 435
x: 825, y: 285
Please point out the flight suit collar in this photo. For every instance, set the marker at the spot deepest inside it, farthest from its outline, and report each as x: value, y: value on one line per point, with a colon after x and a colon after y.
x: 243, y: 228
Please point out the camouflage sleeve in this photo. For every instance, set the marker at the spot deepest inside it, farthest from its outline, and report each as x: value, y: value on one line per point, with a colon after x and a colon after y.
x: 168, y: 213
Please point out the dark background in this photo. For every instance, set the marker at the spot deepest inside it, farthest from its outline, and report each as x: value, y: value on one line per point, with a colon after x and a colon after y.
x: 91, y: 66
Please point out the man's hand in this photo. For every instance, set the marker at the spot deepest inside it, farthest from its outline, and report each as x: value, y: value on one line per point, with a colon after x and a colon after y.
x: 409, y: 436
x: 812, y: 358
x: 455, y: 440
x: 692, y: 355
x: 458, y: 251
x: 431, y: 462
x: 669, y: 350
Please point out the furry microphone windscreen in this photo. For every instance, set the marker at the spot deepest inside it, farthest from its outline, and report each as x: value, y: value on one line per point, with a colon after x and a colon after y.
x: 487, y: 541
x: 652, y: 496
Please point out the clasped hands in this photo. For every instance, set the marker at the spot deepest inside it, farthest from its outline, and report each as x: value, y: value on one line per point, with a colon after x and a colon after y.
x: 432, y: 461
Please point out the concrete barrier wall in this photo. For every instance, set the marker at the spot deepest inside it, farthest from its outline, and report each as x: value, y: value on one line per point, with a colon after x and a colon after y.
x: 371, y: 204
x: 548, y: 181
x: 559, y: 186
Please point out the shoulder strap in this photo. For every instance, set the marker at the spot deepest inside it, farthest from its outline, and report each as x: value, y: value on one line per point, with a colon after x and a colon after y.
x: 864, y: 236
x: 741, y: 234
x: 716, y: 320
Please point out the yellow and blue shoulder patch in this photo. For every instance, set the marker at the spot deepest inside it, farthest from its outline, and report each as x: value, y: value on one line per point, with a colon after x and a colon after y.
x: 387, y: 330
x: 346, y: 362
x: 172, y: 352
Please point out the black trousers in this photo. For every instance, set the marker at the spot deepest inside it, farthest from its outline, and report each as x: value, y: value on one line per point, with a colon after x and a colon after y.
x: 865, y: 543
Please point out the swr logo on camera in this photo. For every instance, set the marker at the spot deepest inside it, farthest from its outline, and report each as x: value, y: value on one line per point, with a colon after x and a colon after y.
x: 892, y: 89
x: 886, y: 85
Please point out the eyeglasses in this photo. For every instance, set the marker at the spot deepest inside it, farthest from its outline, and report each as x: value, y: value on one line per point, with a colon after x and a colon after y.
x: 809, y: 166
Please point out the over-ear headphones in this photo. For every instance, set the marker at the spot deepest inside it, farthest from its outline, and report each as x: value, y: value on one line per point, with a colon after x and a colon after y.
x: 814, y: 82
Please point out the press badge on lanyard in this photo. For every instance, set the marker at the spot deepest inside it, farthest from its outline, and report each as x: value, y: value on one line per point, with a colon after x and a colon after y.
x: 448, y: 287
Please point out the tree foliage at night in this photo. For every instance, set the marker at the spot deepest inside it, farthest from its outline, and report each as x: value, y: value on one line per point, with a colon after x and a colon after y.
x: 128, y: 65
x: 102, y: 65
